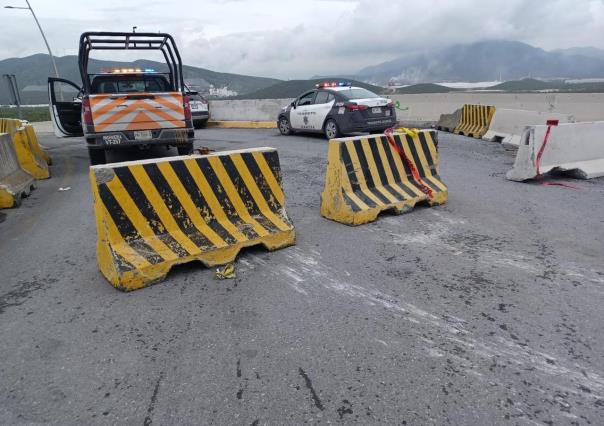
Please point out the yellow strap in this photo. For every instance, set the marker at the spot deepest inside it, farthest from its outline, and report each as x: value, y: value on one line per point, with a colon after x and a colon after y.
x: 410, y: 132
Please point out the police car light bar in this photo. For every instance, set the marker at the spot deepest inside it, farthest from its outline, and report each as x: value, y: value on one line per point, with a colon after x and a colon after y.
x: 334, y: 84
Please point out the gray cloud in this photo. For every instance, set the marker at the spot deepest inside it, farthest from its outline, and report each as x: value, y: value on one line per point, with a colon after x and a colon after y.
x: 291, y: 39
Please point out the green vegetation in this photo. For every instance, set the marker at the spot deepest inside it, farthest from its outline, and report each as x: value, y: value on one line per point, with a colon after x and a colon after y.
x: 32, y: 114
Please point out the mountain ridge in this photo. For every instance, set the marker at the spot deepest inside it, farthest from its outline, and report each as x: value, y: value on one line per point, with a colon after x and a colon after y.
x: 487, y: 61
x: 33, y: 71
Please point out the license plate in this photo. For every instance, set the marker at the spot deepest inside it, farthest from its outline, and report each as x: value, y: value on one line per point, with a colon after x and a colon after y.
x: 112, y: 139
x: 194, y: 106
x: 142, y: 135
x: 387, y: 113
x: 377, y: 110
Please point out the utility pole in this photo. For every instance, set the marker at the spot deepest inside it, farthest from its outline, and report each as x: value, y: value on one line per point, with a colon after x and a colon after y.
x: 13, y: 88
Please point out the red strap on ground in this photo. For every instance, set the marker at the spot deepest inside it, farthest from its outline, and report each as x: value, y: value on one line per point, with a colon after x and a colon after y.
x: 539, y: 177
x: 424, y: 188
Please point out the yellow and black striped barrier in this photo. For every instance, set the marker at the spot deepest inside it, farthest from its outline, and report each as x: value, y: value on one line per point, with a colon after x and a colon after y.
x: 154, y: 214
x: 475, y: 120
x: 367, y: 175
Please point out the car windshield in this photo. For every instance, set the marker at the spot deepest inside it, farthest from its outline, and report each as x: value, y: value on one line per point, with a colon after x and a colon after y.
x: 357, y: 93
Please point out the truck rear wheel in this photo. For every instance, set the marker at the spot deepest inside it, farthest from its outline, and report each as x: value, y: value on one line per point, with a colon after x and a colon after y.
x: 185, y: 149
x: 97, y: 156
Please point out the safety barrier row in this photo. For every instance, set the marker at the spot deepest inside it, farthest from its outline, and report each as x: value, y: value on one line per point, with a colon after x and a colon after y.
x: 22, y: 160
x: 496, y: 125
x: 371, y: 174
x: 154, y: 214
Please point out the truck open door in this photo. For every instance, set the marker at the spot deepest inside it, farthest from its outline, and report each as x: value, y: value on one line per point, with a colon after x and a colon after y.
x: 65, y: 106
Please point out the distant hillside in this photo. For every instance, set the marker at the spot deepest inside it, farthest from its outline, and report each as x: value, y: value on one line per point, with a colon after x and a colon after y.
x: 527, y: 84
x: 582, y: 51
x: 33, y: 71
x: 424, y: 88
x: 293, y: 88
x: 487, y: 61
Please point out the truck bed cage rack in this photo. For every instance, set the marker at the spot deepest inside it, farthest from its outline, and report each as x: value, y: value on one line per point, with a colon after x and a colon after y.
x: 163, y: 42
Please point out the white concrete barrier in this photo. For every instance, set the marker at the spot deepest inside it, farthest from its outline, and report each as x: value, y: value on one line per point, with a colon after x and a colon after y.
x: 571, y: 146
x: 247, y: 109
x: 508, y: 125
x: 15, y: 183
x: 427, y: 108
x: 448, y: 122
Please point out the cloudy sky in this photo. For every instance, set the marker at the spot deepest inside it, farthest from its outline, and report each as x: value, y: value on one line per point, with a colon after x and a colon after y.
x: 301, y: 38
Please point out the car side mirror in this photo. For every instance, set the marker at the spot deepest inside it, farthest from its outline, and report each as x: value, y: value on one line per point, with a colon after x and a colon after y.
x: 293, y: 104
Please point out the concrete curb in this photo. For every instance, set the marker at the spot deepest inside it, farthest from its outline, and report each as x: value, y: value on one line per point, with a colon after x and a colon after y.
x: 243, y: 124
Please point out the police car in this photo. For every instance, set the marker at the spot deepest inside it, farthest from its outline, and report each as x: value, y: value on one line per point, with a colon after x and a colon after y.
x: 335, y: 109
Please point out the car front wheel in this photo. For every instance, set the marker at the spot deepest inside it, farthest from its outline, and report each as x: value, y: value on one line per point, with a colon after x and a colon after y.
x: 331, y: 129
x: 284, y: 127
x: 200, y: 124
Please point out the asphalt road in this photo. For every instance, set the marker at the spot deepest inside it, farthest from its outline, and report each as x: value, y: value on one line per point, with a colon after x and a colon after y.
x: 487, y: 310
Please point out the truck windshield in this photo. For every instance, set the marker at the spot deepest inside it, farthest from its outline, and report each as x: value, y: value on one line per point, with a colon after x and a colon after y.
x: 129, y: 84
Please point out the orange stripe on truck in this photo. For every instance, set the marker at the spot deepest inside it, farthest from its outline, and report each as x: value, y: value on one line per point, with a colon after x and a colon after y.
x: 147, y: 113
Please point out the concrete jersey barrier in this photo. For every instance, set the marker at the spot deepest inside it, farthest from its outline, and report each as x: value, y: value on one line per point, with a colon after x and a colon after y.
x: 449, y: 122
x: 35, y: 146
x: 15, y: 183
x: 427, y: 108
x: 32, y: 158
x: 247, y: 109
x: 573, y: 146
x: 154, y: 214
x: 27, y: 155
x: 367, y: 175
x: 475, y: 120
x: 508, y: 125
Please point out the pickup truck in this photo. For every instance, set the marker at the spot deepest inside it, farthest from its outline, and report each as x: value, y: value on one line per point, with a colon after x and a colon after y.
x: 124, y: 106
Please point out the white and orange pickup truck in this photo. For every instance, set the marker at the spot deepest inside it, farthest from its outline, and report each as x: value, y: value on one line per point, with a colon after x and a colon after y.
x: 122, y: 107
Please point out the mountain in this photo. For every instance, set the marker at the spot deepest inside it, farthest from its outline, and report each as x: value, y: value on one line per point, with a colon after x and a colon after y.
x: 33, y: 71
x: 487, y: 61
x: 293, y: 88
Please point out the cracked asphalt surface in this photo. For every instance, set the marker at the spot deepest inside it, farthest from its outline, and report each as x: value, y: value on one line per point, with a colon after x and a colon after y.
x: 487, y: 310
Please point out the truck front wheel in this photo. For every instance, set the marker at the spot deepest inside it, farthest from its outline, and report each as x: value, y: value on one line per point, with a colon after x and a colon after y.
x: 185, y: 149
x: 97, y: 156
